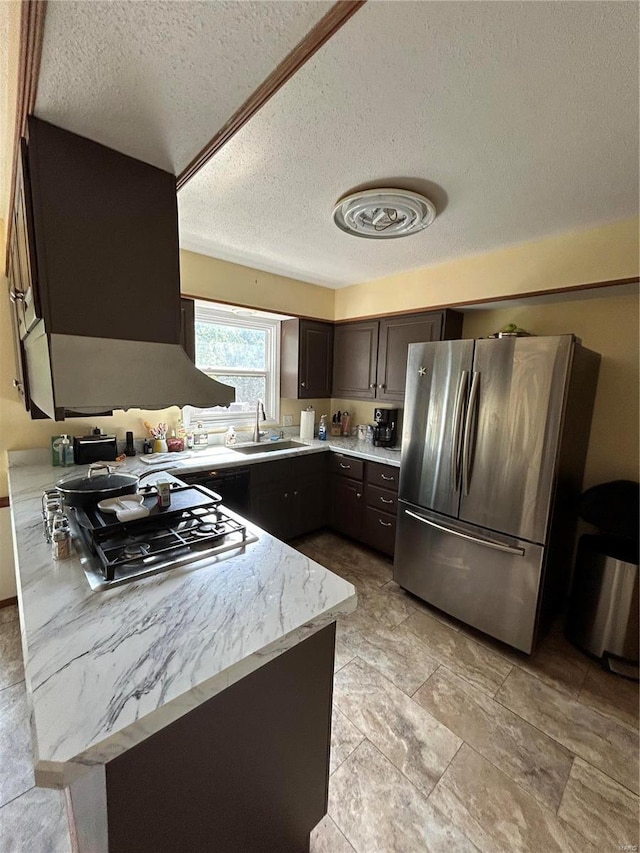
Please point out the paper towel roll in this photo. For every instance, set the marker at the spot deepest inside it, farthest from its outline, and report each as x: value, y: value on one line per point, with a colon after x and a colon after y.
x: 307, y: 423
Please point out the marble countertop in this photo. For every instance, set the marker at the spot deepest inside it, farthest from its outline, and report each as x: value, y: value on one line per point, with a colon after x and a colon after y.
x: 104, y: 670
x: 226, y: 457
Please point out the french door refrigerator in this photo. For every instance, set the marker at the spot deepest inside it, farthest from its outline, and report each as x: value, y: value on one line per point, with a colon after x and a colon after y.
x: 494, y: 442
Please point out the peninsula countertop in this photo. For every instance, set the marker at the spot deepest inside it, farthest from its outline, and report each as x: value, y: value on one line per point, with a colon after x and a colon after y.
x: 104, y: 670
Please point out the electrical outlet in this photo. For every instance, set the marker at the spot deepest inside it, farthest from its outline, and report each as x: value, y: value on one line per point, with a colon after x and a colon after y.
x: 288, y: 420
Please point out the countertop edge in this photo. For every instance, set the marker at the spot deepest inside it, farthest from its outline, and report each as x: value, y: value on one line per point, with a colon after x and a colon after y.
x: 55, y: 774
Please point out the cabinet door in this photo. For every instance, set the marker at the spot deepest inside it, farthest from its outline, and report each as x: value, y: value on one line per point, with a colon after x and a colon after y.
x: 16, y: 288
x: 316, y: 359
x: 355, y: 353
x: 306, y: 359
x: 311, y: 505
x: 20, y: 381
x: 396, y: 334
x: 25, y: 243
x: 271, y: 509
x: 347, y: 503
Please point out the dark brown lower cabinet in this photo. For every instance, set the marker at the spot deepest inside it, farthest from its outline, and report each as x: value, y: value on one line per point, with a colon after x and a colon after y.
x: 379, y: 530
x: 289, y: 496
x: 347, y: 506
x: 245, y: 772
x: 360, y: 507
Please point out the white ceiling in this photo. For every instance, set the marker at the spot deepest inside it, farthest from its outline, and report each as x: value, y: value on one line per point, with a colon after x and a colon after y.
x: 157, y: 79
x: 523, y: 114
x: 518, y: 119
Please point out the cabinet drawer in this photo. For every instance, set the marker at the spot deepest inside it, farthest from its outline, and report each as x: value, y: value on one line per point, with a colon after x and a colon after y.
x: 347, y: 466
x: 379, y: 530
x: 386, y: 476
x: 381, y: 499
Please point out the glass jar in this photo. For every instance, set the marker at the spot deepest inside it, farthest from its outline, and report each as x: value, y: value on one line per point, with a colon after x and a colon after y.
x: 61, y: 538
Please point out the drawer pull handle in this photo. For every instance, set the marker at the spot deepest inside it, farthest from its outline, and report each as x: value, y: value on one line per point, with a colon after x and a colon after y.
x: 344, y: 466
x: 384, y: 477
x: 386, y: 500
x: 385, y: 523
x: 358, y: 494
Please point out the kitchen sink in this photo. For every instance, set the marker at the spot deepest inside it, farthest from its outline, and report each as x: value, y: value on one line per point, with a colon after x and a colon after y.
x: 268, y: 447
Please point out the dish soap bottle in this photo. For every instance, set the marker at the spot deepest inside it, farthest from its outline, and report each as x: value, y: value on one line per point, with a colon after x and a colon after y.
x: 322, y: 428
x: 66, y: 451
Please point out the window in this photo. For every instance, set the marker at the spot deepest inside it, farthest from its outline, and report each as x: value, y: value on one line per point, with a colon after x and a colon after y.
x: 243, y: 350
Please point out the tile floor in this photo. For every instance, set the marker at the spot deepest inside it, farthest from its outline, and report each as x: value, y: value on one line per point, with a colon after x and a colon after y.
x: 442, y: 738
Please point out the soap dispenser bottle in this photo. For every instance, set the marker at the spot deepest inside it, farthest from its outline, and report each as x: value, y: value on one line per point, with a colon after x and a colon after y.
x: 66, y: 451
x: 322, y: 428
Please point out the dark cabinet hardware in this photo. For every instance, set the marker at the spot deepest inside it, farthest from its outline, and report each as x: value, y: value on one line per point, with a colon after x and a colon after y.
x: 347, y: 467
x: 386, y: 500
x: 385, y: 523
x: 389, y: 479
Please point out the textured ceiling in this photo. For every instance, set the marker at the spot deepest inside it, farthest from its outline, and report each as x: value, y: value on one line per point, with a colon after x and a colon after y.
x: 519, y: 119
x: 156, y: 79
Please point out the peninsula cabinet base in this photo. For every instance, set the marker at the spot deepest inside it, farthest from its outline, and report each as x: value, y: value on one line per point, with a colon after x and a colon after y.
x: 245, y: 772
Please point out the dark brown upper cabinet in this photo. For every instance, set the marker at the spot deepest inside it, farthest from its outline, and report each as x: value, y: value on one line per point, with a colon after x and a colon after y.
x: 306, y: 357
x: 106, y: 239
x: 370, y: 358
x: 355, y: 354
x: 23, y: 257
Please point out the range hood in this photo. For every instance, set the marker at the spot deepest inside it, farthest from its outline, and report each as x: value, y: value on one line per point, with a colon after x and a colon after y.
x: 102, y: 233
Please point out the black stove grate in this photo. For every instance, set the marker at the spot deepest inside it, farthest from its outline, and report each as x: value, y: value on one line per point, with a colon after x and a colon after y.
x: 148, y: 545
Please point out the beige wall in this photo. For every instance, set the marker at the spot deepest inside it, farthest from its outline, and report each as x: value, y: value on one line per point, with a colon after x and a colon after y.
x: 211, y: 278
x: 608, y: 326
x: 599, y: 254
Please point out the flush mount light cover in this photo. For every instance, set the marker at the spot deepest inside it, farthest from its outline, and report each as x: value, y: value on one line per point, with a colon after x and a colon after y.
x: 383, y: 214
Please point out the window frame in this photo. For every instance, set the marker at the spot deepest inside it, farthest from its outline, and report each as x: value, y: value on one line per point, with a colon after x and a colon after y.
x: 203, y: 313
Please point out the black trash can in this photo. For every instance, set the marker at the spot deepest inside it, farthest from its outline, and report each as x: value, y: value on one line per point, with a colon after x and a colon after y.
x: 603, y: 609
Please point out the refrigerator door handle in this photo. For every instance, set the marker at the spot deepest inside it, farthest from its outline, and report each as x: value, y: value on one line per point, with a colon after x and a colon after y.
x: 456, y: 439
x: 497, y: 546
x: 469, y: 432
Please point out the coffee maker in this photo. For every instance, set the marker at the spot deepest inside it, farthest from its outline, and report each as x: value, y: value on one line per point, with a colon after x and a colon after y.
x: 385, y: 427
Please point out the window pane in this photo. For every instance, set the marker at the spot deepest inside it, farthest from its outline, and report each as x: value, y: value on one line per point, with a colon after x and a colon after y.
x: 230, y: 346
x: 249, y: 389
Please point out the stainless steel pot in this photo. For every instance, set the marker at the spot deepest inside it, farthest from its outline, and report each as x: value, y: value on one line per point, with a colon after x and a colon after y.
x: 97, y: 486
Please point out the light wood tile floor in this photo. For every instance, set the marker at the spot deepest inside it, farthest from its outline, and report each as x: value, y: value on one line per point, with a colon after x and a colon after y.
x: 458, y: 742
x: 443, y: 739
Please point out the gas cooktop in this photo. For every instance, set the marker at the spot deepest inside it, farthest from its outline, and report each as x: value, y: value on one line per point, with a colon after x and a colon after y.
x: 194, y: 527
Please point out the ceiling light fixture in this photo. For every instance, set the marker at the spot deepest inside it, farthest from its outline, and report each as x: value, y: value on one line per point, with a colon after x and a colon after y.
x: 383, y: 214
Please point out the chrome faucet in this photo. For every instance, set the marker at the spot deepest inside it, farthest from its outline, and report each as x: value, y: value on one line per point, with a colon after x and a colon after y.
x: 256, y: 430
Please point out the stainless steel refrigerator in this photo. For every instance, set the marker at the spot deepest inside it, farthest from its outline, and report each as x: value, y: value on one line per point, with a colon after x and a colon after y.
x: 494, y: 441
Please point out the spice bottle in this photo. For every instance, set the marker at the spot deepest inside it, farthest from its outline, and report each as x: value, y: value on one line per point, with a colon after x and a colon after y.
x: 61, y: 539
